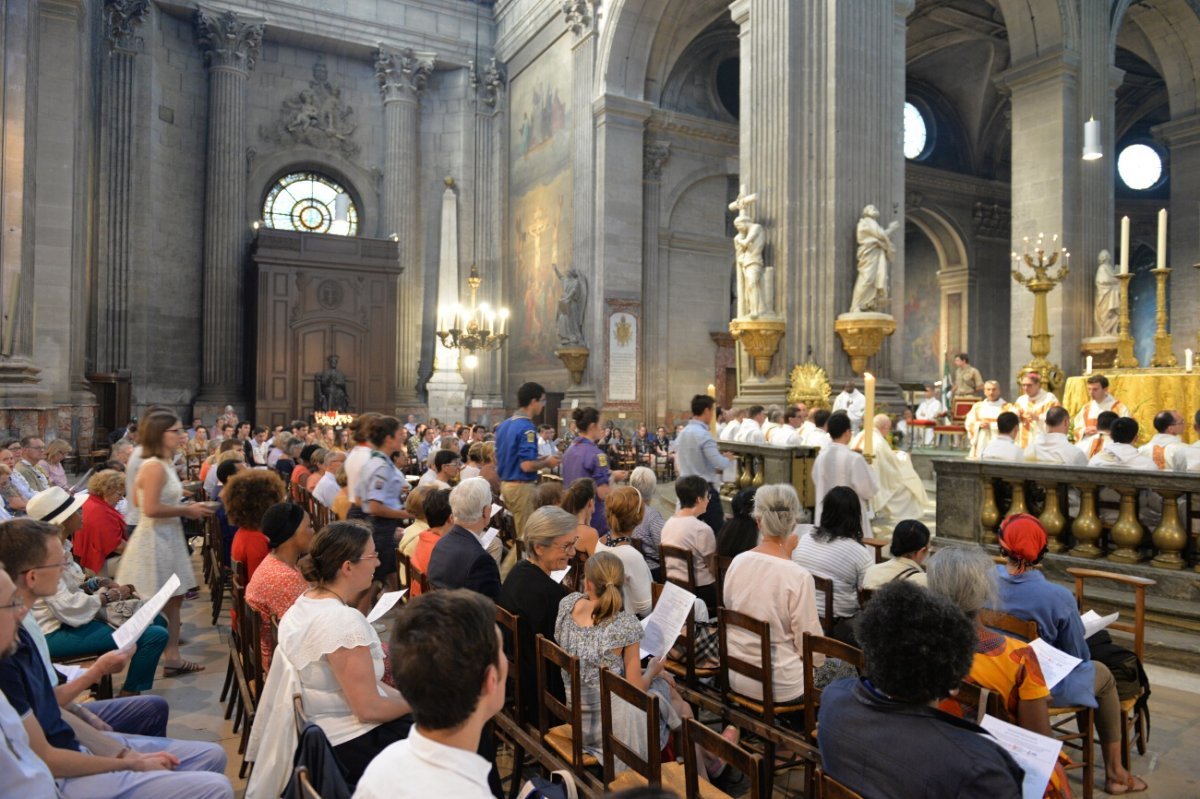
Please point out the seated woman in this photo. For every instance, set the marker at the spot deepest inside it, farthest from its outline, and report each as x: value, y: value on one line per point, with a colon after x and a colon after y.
x: 740, y: 533
x: 909, y: 548
x: 277, y: 581
x: 965, y: 575
x: 835, y: 551
x: 415, y: 505
x: 51, y: 463
x: 649, y: 529
x: 101, y: 539
x: 436, y: 508
x: 766, y: 583
x: 687, y: 530
x: 623, y: 511
x: 247, y: 496
x: 75, y: 620
x: 1027, y: 594
x: 530, y: 593
x: 487, y: 469
x: 337, y: 655
x: 580, y: 500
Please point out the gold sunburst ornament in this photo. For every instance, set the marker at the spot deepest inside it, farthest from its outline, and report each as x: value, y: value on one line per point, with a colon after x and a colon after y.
x: 624, y: 330
x: 810, y: 385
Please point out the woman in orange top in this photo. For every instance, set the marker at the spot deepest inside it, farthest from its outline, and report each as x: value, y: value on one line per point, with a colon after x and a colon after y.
x: 436, y: 508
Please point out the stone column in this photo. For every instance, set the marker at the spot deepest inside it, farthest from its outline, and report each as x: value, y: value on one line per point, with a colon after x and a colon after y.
x: 1182, y: 136
x: 402, y: 76
x: 122, y: 19
x: 489, y: 84
x: 654, y: 290
x: 231, y: 43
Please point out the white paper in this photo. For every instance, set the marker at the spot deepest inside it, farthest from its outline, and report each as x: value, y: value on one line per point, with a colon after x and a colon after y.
x: 560, y: 575
x: 70, y: 672
x: 496, y: 510
x: 489, y: 535
x: 128, y: 633
x: 1056, y: 664
x: 1093, y: 622
x: 387, y: 601
x: 1033, y: 752
x: 665, y: 623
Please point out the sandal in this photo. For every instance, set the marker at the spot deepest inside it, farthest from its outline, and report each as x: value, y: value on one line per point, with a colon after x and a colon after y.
x: 184, y: 667
x: 1134, y: 784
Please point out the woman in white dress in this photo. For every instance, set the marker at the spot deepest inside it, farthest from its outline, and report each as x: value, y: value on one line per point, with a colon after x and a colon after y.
x: 157, y: 548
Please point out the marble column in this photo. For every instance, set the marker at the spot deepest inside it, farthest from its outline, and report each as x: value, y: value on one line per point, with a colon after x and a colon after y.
x: 816, y: 155
x: 231, y: 44
x: 122, y: 20
x: 1182, y: 136
x: 402, y: 75
x: 489, y: 83
x: 654, y: 288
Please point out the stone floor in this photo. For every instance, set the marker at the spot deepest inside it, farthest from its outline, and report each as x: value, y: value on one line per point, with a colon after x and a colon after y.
x: 1169, y: 766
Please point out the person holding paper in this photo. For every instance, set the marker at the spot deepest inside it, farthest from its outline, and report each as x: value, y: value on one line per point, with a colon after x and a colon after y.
x: 1027, y: 594
x: 277, y: 583
x: 435, y: 507
x: 459, y: 560
x: 965, y: 576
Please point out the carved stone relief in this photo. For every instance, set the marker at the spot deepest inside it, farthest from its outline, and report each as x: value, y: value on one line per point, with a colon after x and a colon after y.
x: 316, y: 116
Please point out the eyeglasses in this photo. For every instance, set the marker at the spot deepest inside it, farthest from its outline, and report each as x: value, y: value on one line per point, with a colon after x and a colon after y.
x: 372, y: 556
x: 174, y: 429
x: 64, y: 563
x: 16, y: 606
x: 570, y: 545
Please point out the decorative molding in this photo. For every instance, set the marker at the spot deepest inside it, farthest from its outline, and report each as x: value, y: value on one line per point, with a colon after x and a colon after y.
x: 488, y: 82
x: 679, y: 124
x: 402, y: 74
x: 992, y: 220
x: 579, y: 15
x: 654, y: 158
x: 316, y: 116
x: 228, y: 39
x: 122, y: 18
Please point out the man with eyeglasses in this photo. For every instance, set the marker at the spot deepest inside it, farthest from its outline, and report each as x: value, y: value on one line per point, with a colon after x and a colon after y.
x: 32, y: 449
x: 85, y: 761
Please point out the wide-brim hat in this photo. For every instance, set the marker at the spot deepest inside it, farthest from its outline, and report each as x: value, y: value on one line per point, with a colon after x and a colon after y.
x: 54, y: 505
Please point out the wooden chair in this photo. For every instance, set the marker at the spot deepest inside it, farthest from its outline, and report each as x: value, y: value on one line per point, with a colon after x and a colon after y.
x: 403, y: 571
x: 686, y: 669
x: 829, y: 647
x: 749, y: 763
x: 565, y: 739
x: 298, y: 714
x: 306, y: 786
x: 971, y: 696
x: 881, y: 546
x: 825, y: 586
x: 418, y: 581
x: 508, y: 623
x: 641, y: 771
x: 864, y: 596
x: 243, y: 655
x: 218, y: 572
x: 721, y: 565
x: 678, y: 553
x: 1133, y: 718
x: 832, y: 789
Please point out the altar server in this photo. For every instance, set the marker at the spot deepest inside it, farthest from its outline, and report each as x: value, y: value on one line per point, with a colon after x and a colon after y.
x: 1087, y: 434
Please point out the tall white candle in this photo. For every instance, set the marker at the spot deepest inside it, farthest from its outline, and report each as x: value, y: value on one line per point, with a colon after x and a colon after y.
x: 1088, y: 369
x: 1162, y: 239
x: 1187, y: 360
x: 1124, y: 245
x: 869, y: 414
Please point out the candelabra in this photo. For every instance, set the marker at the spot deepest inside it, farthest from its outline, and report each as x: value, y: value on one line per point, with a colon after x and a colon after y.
x: 1125, y: 358
x: 1162, y: 339
x: 477, y: 328
x: 1041, y: 283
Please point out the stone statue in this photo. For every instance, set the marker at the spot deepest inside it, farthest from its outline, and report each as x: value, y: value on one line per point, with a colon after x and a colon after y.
x: 756, y: 291
x: 570, y: 307
x: 1108, y: 297
x: 875, y: 253
x: 331, y: 389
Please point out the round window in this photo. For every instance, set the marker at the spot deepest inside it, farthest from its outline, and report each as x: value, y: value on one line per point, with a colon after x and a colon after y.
x: 916, y: 132
x: 1140, y: 167
x: 310, y: 203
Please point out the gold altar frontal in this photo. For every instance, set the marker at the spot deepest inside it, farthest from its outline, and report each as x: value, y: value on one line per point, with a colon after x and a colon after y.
x: 1145, y: 392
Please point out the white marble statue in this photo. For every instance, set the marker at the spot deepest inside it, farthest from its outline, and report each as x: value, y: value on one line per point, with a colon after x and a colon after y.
x: 1108, y: 297
x: 875, y: 253
x: 756, y: 291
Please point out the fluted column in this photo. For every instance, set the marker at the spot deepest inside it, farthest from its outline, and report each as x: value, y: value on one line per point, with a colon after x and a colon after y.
x: 402, y: 76
x: 489, y: 83
x: 654, y: 363
x: 231, y: 43
x: 122, y: 19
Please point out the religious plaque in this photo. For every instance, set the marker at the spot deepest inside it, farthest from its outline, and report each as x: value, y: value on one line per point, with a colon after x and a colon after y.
x: 622, y: 355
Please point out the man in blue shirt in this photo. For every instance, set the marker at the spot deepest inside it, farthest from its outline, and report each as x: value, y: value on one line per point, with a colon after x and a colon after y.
x: 696, y: 453
x: 517, y: 460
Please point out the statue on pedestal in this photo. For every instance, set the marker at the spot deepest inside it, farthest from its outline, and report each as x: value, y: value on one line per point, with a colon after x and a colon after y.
x: 570, y: 307
x: 331, y: 389
x: 1108, y: 297
x: 756, y: 281
x: 875, y: 253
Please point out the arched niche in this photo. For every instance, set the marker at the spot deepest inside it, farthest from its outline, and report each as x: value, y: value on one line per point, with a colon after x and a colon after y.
x: 936, y: 293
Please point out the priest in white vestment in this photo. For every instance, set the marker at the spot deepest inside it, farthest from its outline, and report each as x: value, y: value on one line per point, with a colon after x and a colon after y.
x: 1119, y: 453
x: 1003, y: 447
x: 730, y: 431
x: 1192, y: 453
x: 773, y: 423
x: 852, y: 401
x: 981, y: 419
x: 788, y: 433
x: 751, y: 431
x: 1087, y: 433
x: 838, y: 465
x: 901, y: 494
x: 1031, y: 407
x: 817, y: 435
x: 1052, y: 447
x: 931, y: 409
x: 1167, y: 449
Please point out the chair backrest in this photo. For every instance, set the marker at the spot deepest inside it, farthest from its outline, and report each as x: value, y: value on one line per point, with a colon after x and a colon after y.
x: 418, y: 581
x: 650, y: 766
x: 825, y: 586
x: 970, y: 697
x: 829, y: 647
x: 761, y: 671
x: 306, y: 786
x: 1139, y: 586
x: 512, y: 653
x: 748, y: 762
x: 832, y: 789
x: 679, y: 553
x: 298, y: 713
x: 1007, y: 623
x: 879, y: 545
x: 403, y: 570
x: 721, y: 565
x: 864, y: 596
x: 549, y: 656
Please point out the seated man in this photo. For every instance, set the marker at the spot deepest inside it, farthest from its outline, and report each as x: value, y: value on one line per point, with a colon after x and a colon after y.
x: 1004, y: 446
x: 882, y: 736
x: 446, y: 464
x: 910, y: 548
x: 901, y: 493
x: 1192, y: 453
x: 1052, y: 446
x: 459, y: 559
x: 448, y: 662
x: 1167, y: 449
x: 1119, y: 453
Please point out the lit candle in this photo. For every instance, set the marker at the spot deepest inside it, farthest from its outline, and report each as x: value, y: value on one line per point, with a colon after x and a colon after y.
x: 1124, y: 245
x: 869, y: 415
x: 503, y: 321
x: 712, y: 392
x: 1088, y: 369
x: 1187, y: 360
x: 1162, y: 239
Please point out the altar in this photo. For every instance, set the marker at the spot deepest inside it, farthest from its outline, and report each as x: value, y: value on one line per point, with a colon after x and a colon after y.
x: 1145, y: 392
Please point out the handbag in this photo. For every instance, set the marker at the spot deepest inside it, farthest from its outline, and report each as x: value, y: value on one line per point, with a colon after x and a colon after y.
x: 561, y: 785
x: 119, y: 611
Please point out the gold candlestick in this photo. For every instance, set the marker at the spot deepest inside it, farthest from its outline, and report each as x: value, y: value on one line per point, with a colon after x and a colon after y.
x: 1125, y: 358
x: 1162, y: 339
x: 1041, y: 284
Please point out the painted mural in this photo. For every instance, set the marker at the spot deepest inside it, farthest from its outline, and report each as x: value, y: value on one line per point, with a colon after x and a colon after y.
x: 540, y: 213
x: 922, y: 310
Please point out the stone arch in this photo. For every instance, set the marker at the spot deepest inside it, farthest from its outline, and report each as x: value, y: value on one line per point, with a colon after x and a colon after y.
x: 1172, y: 28
x: 360, y: 183
x: 953, y: 283
x: 1038, y: 27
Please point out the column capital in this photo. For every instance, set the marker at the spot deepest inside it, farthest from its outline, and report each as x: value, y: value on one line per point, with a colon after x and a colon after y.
x: 229, y: 39
x: 654, y: 157
x: 580, y: 15
x: 488, y: 82
x: 739, y: 11
x: 122, y: 18
x: 1182, y: 132
x: 402, y: 73
x: 1060, y: 65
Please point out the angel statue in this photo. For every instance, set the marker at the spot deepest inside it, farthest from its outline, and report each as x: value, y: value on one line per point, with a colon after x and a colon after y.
x: 570, y: 307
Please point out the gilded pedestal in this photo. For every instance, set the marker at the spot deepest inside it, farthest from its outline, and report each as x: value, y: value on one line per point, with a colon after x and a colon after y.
x: 862, y: 335
x: 1102, y: 349
x: 575, y: 359
x: 760, y: 339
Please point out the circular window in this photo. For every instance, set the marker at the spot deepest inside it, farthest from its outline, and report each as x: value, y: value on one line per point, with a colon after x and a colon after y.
x: 916, y: 132
x: 310, y: 203
x: 1140, y: 167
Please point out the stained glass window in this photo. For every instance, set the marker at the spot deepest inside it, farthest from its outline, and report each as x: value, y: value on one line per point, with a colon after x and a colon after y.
x: 309, y: 202
x: 1140, y: 166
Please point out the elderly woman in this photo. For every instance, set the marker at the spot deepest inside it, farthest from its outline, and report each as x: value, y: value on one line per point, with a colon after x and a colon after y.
x: 767, y: 584
x: 1027, y: 594
x: 247, y: 496
x: 835, y: 550
x: 337, y: 655
x: 965, y: 575
x: 51, y: 463
x: 278, y: 581
x: 102, y: 536
x: 649, y: 530
x: 530, y: 593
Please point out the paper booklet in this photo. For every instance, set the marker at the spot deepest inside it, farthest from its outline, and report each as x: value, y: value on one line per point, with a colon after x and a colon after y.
x: 1056, y: 664
x: 1035, y: 753
x: 664, y: 624
x: 1093, y: 622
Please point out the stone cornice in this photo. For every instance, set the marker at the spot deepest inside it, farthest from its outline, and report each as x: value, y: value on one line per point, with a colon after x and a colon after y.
x: 122, y: 18
x: 614, y: 106
x: 1184, y: 132
x: 930, y: 180
x: 1060, y: 65
x: 402, y: 74
x: 694, y: 127
x: 229, y: 39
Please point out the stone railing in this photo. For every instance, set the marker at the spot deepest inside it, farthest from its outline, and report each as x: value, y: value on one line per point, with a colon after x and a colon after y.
x: 1123, y: 516
x: 761, y: 464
